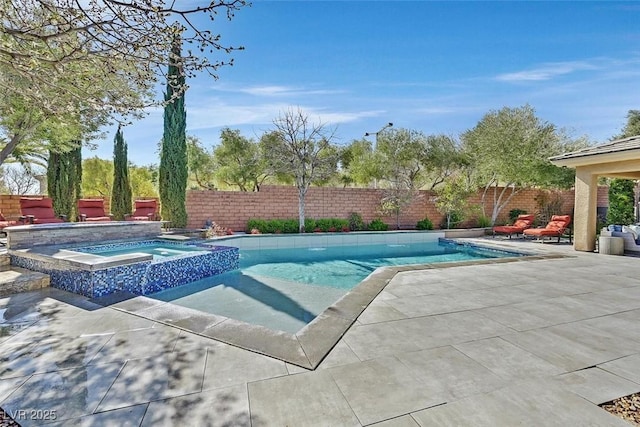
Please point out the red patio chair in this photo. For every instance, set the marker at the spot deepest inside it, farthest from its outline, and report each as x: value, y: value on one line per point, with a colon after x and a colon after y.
x: 39, y: 211
x: 556, y: 227
x: 145, y: 210
x: 92, y: 210
x: 522, y: 223
x: 4, y: 223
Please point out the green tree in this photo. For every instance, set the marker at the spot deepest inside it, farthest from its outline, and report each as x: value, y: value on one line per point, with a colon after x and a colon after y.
x: 239, y: 162
x: 404, y: 152
x: 64, y: 180
x: 52, y: 44
x: 422, y: 160
x: 40, y: 114
x: 57, y: 185
x: 201, y: 165
x: 360, y: 163
x: 621, y: 202
x: 442, y: 158
x: 632, y: 128
x: 97, y: 179
x: 451, y: 199
x: 27, y: 134
x: 144, y: 181
x: 75, y: 65
x: 173, y: 171
x: 508, y: 151
x: 300, y: 149
x: 121, y: 188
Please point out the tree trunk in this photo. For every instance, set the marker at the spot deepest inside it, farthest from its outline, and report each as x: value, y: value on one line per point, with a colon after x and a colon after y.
x: 11, y: 145
x: 499, y: 203
x: 301, y: 194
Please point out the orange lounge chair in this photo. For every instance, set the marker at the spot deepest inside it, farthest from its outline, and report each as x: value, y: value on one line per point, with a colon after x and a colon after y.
x: 38, y: 211
x: 522, y: 223
x: 145, y: 210
x: 92, y: 210
x: 556, y: 227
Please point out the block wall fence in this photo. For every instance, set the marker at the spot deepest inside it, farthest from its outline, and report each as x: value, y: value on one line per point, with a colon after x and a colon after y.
x: 233, y: 209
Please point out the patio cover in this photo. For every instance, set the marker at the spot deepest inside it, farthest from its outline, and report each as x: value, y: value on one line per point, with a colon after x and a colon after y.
x: 615, y: 159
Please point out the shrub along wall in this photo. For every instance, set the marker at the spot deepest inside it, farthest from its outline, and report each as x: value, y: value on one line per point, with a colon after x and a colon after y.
x: 233, y: 209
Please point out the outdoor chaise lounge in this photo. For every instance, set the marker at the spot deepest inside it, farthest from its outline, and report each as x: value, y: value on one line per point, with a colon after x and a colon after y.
x: 521, y: 223
x: 92, y: 210
x: 38, y: 211
x: 145, y: 210
x: 555, y: 228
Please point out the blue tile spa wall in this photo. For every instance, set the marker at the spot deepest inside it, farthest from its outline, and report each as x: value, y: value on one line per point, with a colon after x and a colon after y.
x: 140, y: 278
x: 188, y: 268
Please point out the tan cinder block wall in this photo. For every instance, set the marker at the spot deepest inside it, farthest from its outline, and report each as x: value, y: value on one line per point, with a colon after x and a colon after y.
x: 10, y: 206
x: 233, y: 209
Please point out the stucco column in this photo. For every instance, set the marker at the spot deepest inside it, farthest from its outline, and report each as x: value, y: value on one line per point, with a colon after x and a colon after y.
x: 585, y: 215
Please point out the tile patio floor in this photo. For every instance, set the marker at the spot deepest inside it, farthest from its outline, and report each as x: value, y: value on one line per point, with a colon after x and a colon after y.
x: 525, y: 343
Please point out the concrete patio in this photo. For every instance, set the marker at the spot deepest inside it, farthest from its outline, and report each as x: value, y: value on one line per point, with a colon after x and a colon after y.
x: 538, y: 342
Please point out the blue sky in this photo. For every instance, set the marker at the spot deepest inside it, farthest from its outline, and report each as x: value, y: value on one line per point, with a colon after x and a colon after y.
x: 437, y: 67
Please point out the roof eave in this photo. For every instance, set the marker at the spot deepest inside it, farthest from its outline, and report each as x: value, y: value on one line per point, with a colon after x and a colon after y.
x: 596, y: 158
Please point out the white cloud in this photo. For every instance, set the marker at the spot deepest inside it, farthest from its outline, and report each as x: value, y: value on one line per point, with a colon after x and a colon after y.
x: 214, y: 113
x: 547, y: 71
x: 336, y: 117
x: 275, y: 90
x: 436, y: 110
x: 267, y: 90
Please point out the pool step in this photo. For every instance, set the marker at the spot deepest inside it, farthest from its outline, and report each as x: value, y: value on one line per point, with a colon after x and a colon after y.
x: 14, y: 280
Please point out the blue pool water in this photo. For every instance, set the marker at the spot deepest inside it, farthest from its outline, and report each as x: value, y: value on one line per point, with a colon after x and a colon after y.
x: 158, y: 250
x: 284, y: 289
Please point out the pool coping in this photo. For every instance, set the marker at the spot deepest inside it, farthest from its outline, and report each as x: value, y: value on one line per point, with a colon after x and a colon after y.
x: 309, y: 346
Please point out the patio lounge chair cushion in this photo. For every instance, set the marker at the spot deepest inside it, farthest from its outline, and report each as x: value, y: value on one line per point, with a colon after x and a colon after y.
x: 92, y: 210
x: 634, y: 230
x: 555, y: 227
x: 38, y: 211
x: 522, y: 223
x: 145, y: 210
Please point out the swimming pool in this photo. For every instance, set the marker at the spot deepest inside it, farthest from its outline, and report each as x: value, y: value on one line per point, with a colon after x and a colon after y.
x: 285, y: 289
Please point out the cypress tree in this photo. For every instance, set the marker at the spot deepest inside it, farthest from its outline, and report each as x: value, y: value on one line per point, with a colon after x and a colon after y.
x: 173, y: 171
x: 55, y: 177
x: 75, y: 179
x: 64, y: 180
x: 121, y: 189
